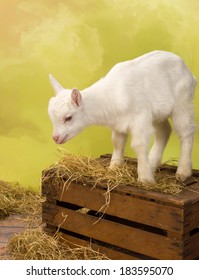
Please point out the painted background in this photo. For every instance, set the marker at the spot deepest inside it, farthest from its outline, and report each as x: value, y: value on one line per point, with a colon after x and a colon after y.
x: 78, y: 42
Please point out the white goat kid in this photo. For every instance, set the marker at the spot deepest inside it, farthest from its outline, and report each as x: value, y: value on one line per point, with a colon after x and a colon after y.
x: 136, y: 97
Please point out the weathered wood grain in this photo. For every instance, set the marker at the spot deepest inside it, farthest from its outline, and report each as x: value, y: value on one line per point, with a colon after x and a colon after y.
x: 8, y: 228
x: 121, y: 205
x: 130, y: 238
x: 138, y: 224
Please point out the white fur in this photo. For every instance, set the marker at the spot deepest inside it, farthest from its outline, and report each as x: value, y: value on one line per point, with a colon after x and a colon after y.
x: 136, y: 97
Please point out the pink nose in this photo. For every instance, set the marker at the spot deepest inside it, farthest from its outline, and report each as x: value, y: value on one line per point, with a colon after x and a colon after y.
x: 56, y: 138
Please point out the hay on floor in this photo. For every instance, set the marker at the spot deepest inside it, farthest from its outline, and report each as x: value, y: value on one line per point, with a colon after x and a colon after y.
x: 16, y: 199
x: 37, y: 245
x: 34, y: 243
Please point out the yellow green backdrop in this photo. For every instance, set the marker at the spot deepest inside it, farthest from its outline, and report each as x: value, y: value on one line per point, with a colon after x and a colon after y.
x: 78, y: 42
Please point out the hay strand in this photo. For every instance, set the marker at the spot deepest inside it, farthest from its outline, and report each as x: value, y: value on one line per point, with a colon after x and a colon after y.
x: 37, y: 245
x: 34, y: 243
x: 17, y: 199
x: 89, y: 171
x: 94, y: 172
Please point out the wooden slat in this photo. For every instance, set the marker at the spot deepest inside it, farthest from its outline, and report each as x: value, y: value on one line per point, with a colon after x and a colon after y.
x: 191, y: 217
x: 7, y: 233
x: 132, y: 208
x: 184, y: 198
x: 177, y: 214
x: 8, y: 228
x: 75, y: 242
x: 129, y: 238
x: 191, y: 247
x: 11, y: 226
x: 3, y: 252
x: 112, y: 254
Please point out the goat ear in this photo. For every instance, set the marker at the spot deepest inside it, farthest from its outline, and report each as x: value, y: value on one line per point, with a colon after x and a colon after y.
x: 76, y: 97
x: 55, y: 84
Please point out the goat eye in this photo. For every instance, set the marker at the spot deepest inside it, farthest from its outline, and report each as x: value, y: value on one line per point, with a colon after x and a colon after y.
x: 67, y: 119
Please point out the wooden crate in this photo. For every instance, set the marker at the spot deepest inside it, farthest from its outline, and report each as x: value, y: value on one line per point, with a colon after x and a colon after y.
x: 138, y: 224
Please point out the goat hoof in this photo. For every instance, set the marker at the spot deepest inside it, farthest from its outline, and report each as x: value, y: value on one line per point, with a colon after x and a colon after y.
x: 146, y: 180
x: 182, y: 177
x: 115, y: 165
